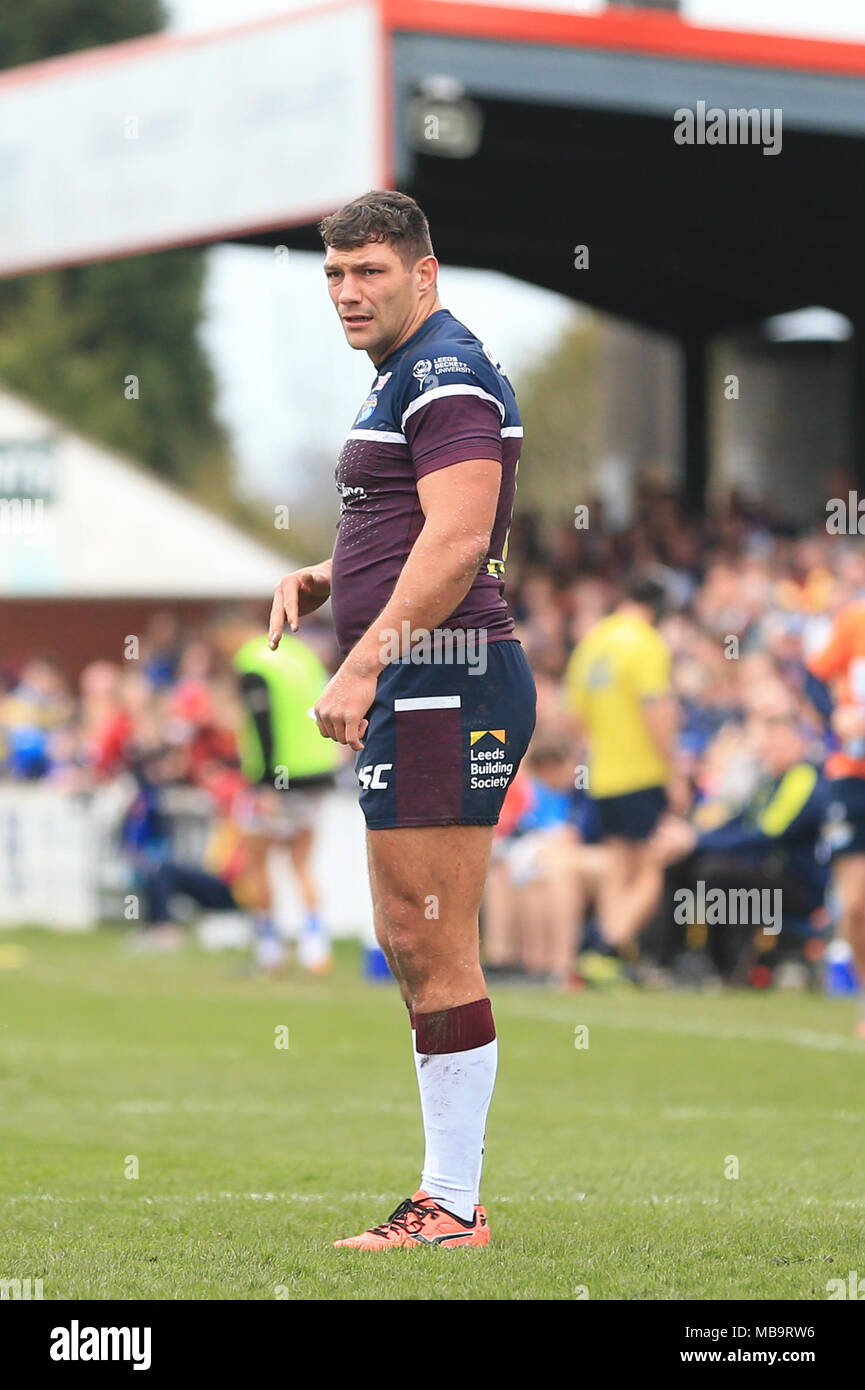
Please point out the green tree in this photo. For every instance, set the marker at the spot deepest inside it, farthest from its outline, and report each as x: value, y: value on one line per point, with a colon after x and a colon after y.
x: 559, y: 400
x: 71, y: 339
x: 46, y: 28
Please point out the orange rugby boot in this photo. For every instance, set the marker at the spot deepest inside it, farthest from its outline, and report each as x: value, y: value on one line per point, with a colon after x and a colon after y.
x: 419, y: 1220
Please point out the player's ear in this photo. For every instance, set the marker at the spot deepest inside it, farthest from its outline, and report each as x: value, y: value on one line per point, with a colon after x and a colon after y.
x: 426, y: 271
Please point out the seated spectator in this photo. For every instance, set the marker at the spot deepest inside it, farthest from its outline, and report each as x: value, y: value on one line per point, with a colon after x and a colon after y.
x: 537, y: 896
x: 773, y: 842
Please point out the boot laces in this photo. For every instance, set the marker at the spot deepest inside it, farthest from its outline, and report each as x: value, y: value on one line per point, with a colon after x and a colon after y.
x: 409, y: 1217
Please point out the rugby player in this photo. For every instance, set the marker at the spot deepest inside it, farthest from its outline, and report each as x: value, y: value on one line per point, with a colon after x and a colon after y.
x: 434, y: 692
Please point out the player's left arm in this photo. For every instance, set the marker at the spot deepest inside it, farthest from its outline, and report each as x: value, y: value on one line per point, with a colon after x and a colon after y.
x: 660, y: 707
x: 661, y: 713
x: 459, y: 505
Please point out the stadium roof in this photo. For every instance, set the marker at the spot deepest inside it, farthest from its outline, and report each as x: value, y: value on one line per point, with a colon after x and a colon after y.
x: 575, y: 117
x: 541, y: 144
x: 577, y: 148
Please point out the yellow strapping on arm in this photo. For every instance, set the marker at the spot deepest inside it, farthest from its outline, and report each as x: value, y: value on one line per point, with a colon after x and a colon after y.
x: 793, y: 791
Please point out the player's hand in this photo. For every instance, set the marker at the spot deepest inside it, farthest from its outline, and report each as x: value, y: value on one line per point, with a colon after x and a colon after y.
x: 295, y: 596
x: 342, y: 707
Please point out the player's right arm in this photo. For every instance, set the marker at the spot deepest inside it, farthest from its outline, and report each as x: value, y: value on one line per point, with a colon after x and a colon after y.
x: 299, y: 593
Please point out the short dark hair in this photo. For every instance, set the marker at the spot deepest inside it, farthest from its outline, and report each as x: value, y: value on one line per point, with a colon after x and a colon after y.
x: 381, y: 215
x: 643, y: 589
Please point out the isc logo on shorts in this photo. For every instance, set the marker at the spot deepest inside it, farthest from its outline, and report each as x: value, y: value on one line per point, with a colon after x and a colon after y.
x: 370, y: 777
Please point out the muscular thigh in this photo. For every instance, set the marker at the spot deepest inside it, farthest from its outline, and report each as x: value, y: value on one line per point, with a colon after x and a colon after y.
x: 427, y: 883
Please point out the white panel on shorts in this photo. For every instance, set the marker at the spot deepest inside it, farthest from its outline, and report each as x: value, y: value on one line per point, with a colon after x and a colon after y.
x: 430, y: 702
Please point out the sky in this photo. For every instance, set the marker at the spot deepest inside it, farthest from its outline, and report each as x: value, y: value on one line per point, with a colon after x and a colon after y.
x: 287, y: 382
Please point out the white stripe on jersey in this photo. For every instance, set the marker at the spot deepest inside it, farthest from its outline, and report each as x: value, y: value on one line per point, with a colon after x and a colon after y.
x: 440, y: 391
x: 383, y: 436
x: 430, y: 702
x: 512, y: 432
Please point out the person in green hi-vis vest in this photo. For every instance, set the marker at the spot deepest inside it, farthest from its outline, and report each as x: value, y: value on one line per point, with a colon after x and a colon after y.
x: 288, y: 767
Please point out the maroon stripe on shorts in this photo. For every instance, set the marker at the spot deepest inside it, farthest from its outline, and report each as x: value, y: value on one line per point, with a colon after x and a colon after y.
x: 456, y: 1030
x: 429, y: 772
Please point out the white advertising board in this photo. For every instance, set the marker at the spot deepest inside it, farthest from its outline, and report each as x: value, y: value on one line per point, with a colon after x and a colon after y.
x: 173, y: 139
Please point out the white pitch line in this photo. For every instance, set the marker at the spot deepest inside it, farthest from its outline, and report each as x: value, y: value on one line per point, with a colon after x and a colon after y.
x: 808, y: 1038
x: 327, y: 1198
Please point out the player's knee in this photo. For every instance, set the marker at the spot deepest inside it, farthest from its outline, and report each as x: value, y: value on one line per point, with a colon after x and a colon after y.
x: 402, y: 912
x: 381, y: 935
x: 414, y: 963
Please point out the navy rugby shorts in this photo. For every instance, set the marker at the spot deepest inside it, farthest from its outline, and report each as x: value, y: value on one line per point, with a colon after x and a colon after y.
x: 444, y: 743
x: 631, y: 816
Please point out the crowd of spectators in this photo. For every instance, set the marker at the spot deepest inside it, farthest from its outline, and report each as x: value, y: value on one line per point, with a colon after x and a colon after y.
x: 748, y: 599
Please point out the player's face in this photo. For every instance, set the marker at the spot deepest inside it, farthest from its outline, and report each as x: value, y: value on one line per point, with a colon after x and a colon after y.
x: 377, y: 298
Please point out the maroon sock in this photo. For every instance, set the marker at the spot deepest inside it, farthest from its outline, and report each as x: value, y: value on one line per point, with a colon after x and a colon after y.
x: 456, y: 1030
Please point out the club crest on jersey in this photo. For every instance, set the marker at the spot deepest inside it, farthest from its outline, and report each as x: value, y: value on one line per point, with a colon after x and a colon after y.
x: 367, y: 409
x: 421, y: 368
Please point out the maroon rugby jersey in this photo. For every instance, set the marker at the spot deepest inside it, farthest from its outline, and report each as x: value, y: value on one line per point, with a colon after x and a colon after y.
x: 440, y: 398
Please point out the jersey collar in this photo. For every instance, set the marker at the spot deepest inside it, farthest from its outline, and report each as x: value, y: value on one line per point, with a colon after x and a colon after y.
x: 403, y: 347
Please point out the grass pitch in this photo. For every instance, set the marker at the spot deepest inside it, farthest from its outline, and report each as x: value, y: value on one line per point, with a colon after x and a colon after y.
x: 606, y: 1171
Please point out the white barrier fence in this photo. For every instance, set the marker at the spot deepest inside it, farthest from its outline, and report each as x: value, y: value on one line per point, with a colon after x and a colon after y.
x: 61, y: 865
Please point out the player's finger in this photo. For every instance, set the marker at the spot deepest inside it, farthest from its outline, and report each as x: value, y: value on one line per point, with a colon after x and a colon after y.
x: 277, y: 619
x: 327, y: 725
x: 291, y: 601
x: 353, y: 732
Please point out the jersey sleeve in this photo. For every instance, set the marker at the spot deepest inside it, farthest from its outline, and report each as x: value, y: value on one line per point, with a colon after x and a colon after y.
x: 451, y: 417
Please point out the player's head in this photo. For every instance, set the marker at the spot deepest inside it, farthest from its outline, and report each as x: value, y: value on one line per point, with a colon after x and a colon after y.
x: 645, y: 594
x: 380, y: 268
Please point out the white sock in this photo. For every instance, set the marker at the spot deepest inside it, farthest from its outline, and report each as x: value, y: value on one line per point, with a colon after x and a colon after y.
x: 455, y: 1092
